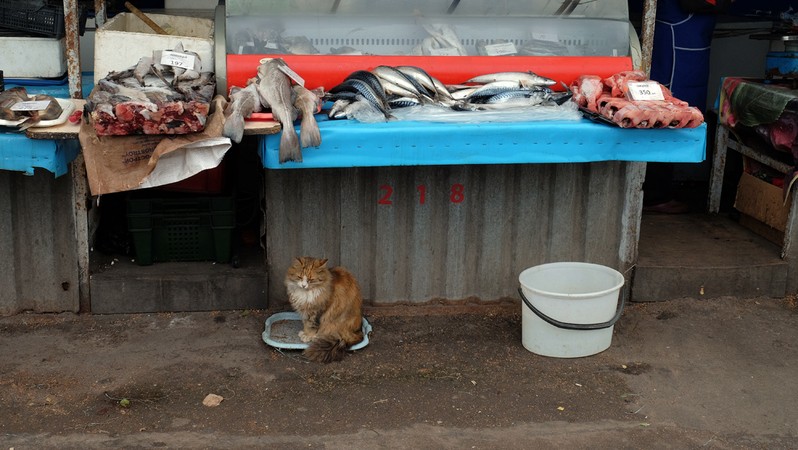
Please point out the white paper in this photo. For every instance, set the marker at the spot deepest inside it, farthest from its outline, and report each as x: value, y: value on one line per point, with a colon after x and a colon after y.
x: 645, y: 90
x: 187, y: 161
x: 178, y: 59
x: 445, y: 51
x: 505, y: 48
x: 546, y: 36
x: 37, y: 105
x: 292, y: 75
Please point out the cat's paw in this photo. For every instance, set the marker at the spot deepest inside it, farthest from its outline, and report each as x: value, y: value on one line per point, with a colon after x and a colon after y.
x: 306, y: 337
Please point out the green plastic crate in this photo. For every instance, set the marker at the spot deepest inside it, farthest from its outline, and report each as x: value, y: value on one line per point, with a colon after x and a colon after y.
x: 181, y: 228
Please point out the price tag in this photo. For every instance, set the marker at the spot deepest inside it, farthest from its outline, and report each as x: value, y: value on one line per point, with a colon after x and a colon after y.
x: 38, y: 105
x: 178, y: 59
x: 445, y: 51
x: 291, y: 74
x: 286, y: 70
x: 645, y: 90
x: 553, y: 37
x: 505, y: 48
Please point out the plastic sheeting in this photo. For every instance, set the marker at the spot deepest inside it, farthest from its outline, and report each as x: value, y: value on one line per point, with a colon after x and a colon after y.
x: 19, y: 153
x: 348, y: 143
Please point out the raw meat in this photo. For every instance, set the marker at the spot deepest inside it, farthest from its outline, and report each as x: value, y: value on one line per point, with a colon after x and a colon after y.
x: 609, y: 98
x: 587, y: 89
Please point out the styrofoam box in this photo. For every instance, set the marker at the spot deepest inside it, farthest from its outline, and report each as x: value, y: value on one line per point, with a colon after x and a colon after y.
x: 123, y: 40
x: 32, y: 57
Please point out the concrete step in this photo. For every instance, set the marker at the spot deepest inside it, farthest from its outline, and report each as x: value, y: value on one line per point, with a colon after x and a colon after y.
x: 704, y: 256
x: 125, y: 287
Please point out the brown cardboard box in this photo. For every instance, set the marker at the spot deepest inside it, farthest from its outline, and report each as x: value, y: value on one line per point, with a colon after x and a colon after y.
x: 764, y: 202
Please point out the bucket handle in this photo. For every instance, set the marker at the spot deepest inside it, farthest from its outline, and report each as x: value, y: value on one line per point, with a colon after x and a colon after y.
x: 574, y: 326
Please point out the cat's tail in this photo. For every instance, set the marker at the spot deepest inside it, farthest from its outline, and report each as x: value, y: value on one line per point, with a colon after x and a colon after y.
x: 326, y: 349
x: 329, y: 347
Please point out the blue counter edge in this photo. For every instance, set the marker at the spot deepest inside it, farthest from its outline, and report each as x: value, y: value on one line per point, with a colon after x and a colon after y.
x: 354, y: 144
x: 18, y: 153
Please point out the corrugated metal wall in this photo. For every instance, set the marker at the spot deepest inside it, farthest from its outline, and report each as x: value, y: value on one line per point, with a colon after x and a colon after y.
x: 38, y: 256
x: 510, y: 217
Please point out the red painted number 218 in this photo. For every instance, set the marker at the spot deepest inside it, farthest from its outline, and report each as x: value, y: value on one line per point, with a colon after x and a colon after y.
x: 456, y: 194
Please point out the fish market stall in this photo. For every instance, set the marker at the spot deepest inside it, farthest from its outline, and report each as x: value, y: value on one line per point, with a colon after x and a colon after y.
x: 426, y: 208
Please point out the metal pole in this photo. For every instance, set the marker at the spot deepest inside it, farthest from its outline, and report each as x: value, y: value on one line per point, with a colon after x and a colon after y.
x: 72, y: 28
x: 649, y: 20
x: 100, y: 13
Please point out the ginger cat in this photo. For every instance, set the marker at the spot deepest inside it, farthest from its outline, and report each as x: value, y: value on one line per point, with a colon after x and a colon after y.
x: 330, y: 304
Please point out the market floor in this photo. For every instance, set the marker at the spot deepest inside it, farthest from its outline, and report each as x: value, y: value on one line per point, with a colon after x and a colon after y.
x: 679, y: 374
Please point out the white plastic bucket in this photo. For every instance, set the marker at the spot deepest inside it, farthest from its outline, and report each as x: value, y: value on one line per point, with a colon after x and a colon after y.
x: 569, y: 309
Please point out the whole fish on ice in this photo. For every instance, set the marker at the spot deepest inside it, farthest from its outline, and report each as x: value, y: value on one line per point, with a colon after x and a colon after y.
x: 528, y: 78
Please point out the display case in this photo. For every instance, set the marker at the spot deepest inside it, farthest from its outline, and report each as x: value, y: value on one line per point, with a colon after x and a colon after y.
x: 325, y: 41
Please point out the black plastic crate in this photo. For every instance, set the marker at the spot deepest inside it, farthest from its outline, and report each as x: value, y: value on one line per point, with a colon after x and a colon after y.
x: 38, y: 17
x: 181, y: 228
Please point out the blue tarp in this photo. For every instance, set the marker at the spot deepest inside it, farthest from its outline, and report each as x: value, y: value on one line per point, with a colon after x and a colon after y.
x: 348, y: 143
x: 21, y: 154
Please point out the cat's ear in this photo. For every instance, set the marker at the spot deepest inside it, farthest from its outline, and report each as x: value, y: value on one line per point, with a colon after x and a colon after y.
x: 322, y: 262
x: 299, y: 259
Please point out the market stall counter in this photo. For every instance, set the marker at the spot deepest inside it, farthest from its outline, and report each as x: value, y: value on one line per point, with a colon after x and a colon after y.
x: 39, y: 234
x: 425, y: 210
x: 431, y: 211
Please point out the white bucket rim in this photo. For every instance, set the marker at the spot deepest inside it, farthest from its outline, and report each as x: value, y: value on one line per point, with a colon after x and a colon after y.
x: 598, y: 267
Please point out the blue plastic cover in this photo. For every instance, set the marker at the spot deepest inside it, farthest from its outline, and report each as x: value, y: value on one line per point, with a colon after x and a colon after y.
x: 349, y: 143
x: 21, y: 154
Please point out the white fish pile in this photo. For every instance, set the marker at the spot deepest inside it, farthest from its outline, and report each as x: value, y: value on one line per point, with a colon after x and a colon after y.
x: 371, y: 95
x: 272, y: 90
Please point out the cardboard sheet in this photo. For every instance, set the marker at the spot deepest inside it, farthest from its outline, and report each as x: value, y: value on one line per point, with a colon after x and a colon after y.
x: 123, y: 163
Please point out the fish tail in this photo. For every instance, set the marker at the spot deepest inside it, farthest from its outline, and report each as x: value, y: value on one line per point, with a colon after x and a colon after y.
x: 289, y: 145
x: 28, y: 123
x: 309, y: 134
x: 234, y: 127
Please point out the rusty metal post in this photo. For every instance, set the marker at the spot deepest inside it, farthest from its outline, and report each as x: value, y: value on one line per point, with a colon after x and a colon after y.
x: 647, y: 39
x: 72, y: 29
x: 100, y: 13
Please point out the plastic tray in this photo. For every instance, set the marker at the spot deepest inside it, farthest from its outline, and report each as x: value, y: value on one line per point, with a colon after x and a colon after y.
x: 282, y: 330
x: 67, y: 108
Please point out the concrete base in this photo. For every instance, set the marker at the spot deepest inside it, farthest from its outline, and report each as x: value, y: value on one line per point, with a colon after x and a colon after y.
x: 704, y: 256
x: 125, y: 287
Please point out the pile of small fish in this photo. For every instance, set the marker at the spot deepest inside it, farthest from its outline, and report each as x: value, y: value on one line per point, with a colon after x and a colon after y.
x: 272, y: 89
x: 17, y: 95
x: 151, y: 98
x: 385, y: 88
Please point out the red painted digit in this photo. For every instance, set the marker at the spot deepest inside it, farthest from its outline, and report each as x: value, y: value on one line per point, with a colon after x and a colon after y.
x: 458, y: 193
x: 386, y: 198
x: 422, y: 194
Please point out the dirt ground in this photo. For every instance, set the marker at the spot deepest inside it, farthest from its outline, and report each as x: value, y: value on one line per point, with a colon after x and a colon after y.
x: 691, y: 373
